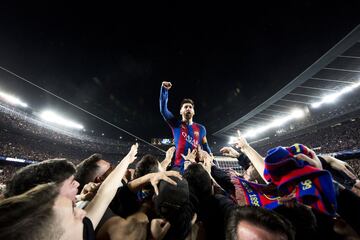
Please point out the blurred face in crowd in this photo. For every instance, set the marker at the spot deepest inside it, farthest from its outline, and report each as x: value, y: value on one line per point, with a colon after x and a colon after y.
x: 187, y: 111
x: 103, y: 171
x: 69, y: 188
x: 249, y: 231
x: 250, y: 173
x: 70, y: 219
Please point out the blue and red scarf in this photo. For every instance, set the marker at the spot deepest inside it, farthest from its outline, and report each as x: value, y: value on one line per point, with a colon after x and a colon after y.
x: 289, y: 179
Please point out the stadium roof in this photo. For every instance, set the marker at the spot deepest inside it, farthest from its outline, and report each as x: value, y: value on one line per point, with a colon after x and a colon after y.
x: 336, y: 69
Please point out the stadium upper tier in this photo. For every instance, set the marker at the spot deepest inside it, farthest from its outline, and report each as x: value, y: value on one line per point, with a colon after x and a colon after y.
x: 329, y: 87
x: 22, y: 127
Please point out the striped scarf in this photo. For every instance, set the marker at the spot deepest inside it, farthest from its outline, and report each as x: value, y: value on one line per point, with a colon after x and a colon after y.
x: 289, y: 179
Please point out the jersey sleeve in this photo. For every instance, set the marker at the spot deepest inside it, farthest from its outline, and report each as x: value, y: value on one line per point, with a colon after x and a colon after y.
x: 204, y: 143
x: 167, y: 115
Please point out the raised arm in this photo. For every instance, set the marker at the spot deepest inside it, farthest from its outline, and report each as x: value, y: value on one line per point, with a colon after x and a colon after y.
x: 256, y: 159
x: 164, y: 96
x: 169, y: 155
x: 340, y: 166
x: 153, y: 179
x: 96, y: 208
x: 204, y: 143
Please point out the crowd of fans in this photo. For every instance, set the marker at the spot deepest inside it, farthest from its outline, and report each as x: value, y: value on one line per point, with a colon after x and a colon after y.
x: 29, y: 125
x: 290, y: 192
x: 337, y: 137
x: 347, y: 109
x: 355, y: 164
x: 6, y: 172
x: 22, y: 136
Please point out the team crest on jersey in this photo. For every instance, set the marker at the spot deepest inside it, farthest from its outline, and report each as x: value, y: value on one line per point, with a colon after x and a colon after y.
x: 190, y: 140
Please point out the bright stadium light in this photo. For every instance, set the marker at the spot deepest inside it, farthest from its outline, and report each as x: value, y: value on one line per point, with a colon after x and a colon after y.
x: 232, y: 140
x: 316, y: 104
x: 335, y: 96
x: 12, y: 100
x: 53, y: 117
x: 295, y: 114
x: 278, y: 122
x: 251, y: 133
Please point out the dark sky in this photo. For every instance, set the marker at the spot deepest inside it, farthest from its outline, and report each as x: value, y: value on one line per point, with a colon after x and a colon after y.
x: 111, y: 59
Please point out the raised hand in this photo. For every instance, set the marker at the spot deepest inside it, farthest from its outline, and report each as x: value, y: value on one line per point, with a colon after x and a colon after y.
x: 170, y: 153
x: 206, y: 161
x: 156, y: 177
x: 241, y: 141
x: 166, y: 85
x: 191, y: 155
x: 159, y: 227
x: 229, y: 152
x: 342, y: 166
x: 88, y: 191
x: 314, y: 161
x: 133, y: 152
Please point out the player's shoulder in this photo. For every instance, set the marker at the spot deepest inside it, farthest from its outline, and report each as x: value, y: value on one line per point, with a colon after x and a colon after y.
x: 200, y: 125
x: 176, y: 123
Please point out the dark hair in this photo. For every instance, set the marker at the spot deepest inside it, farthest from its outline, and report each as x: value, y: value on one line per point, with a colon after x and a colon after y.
x: 255, y: 175
x: 174, y: 205
x: 53, y: 170
x: 147, y: 164
x: 30, y: 215
x: 199, y: 181
x: 86, y: 170
x: 260, y: 217
x: 187, y: 100
x: 180, y: 223
x: 302, y: 218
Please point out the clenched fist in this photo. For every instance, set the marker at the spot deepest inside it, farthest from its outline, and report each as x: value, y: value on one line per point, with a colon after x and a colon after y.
x: 167, y: 85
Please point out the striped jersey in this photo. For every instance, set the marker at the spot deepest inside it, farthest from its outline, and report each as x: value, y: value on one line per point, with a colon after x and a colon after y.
x: 186, y: 136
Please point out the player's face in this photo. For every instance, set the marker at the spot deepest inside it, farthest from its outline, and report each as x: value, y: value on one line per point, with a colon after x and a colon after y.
x: 187, y: 111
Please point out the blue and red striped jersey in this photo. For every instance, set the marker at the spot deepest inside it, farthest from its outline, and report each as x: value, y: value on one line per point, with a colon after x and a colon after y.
x: 186, y: 136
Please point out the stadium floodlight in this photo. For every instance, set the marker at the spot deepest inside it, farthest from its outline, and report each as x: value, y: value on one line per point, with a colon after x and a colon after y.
x: 251, y: 133
x: 232, y: 140
x: 12, y: 100
x: 295, y: 114
x: 316, y: 104
x: 333, y: 97
x: 278, y: 122
x: 53, y: 117
x: 330, y: 98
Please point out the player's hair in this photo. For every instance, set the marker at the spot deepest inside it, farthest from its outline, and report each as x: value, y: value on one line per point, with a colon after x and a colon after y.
x: 187, y: 100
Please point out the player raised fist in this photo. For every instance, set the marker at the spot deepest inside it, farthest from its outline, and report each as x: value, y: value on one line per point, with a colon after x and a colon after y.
x: 166, y: 85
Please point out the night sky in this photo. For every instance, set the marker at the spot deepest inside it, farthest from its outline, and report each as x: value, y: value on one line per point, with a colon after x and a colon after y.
x: 111, y: 59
